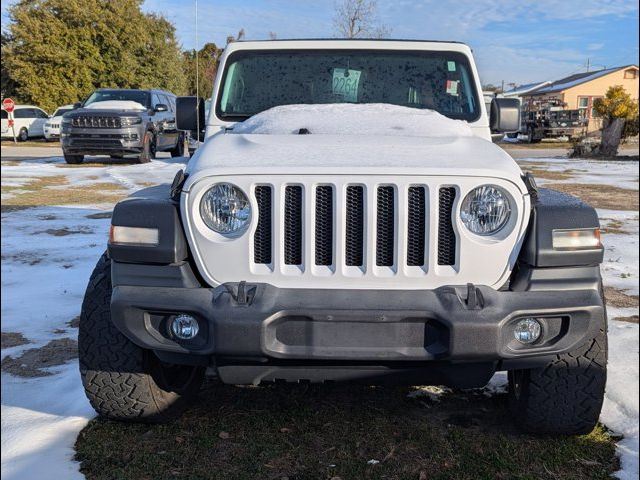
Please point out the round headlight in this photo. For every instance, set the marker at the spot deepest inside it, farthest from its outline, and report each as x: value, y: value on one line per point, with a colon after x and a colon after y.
x: 225, y: 209
x: 485, y: 210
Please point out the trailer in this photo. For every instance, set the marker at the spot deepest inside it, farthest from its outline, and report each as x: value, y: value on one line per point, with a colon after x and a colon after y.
x: 550, y: 120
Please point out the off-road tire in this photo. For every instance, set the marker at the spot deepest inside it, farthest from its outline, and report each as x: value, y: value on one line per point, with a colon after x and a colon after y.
x: 564, y: 397
x: 178, y: 150
x: 148, y: 147
x: 73, y: 159
x: 121, y: 380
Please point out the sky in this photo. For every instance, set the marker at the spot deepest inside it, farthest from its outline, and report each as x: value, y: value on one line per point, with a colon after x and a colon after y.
x: 514, y: 42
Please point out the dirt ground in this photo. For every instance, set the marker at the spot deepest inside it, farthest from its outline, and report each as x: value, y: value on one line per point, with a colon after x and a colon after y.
x: 608, y: 197
x: 32, y: 362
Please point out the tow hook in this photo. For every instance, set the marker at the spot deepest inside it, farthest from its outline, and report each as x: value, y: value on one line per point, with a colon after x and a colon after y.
x: 475, y: 300
x: 243, y: 294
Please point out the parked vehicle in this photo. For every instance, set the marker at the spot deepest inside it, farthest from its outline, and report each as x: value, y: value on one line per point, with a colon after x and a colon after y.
x: 119, y: 122
x: 29, y: 122
x: 52, y: 126
x: 360, y: 241
x: 550, y: 120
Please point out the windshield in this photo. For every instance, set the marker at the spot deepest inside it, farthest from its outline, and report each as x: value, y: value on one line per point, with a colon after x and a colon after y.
x: 132, y: 95
x: 61, y: 111
x: 255, y: 81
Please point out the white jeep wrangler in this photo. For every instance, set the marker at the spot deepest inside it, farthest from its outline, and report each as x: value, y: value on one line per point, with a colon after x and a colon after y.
x: 348, y: 218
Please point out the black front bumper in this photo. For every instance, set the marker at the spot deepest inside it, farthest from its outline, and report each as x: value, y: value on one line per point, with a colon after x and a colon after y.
x: 259, y: 324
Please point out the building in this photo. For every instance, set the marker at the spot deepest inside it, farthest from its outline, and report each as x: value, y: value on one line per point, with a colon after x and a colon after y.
x: 522, y: 90
x: 579, y: 91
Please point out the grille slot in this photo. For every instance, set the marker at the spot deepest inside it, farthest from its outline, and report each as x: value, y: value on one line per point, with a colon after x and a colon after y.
x: 416, y: 226
x: 446, y: 234
x: 91, y: 121
x: 385, y: 226
x: 354, y: 228
x: 262, y: 240
x: 324, y: 225
x: 293, y: 225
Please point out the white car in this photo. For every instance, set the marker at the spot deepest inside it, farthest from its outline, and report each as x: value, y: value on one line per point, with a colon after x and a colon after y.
x: 348, y: 218
x: 52, y: 127
x: 29, y: 122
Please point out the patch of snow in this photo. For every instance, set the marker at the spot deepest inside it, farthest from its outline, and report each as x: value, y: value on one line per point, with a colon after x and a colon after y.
x: 432, y: 392
x: 116, y: 105
x: 41, y: 419
x: 373, y: 462
x: 497, y: 385
x: 622, y: 174
x: 353, y: 119
x: 620, y: 266
x: 620, y: 409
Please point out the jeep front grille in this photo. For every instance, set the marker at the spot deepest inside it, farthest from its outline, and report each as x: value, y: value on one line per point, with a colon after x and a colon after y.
x: 416, y: 225
x: 446, y: 235
x: 293, y: 205
x: 95, y: 121
x: 324, y: 225
x: 262, y: 237
x: 385, y: 221
x: 325, y: 201
x: 354, y: 228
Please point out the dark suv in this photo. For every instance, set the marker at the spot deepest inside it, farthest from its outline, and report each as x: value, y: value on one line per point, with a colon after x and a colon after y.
x: 120, y: 122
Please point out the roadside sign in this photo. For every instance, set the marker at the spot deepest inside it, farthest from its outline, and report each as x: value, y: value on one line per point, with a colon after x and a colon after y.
x: 8, y: 105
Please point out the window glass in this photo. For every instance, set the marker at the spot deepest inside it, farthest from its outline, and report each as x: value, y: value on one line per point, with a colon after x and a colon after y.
x: 256, y: 81
x: 583, y: 102
x: 61, y: 111
x: 167, y: 101
x: 155, y: 99
x: 23, y: 113
x: 40, y: 113
x: 5, y: 115
x: 141, y: 97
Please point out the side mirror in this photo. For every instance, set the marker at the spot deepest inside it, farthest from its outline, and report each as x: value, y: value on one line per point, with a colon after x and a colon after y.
x: 505, y: 115
x: 160, y: 107
x: 190, y: 115
x: 77, y: 105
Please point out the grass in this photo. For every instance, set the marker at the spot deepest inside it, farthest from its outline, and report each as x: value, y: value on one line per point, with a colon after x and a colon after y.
x: 39, y: 192
x: 600, y: 196
x: 30, y: 143
x: 537, y: 146
x: 542, y: 171
x: 333, y: 431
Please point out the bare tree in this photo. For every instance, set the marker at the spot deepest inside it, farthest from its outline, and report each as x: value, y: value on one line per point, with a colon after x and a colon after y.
x: 358, y: 19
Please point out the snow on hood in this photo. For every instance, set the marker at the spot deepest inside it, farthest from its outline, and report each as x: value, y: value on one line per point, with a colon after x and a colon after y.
x: 116, y: 105
x: 352, y: 119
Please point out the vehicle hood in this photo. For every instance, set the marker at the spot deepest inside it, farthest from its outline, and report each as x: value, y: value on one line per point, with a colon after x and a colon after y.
x: 310, y: 154
x: 110, y: 107
x: 116, y: 105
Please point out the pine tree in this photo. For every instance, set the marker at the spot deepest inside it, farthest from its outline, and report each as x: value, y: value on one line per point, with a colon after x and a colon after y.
x: 59, y: 51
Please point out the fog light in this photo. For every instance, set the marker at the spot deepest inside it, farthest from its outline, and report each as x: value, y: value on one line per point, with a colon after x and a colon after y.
x: 527, y: 330
x: 185, y: 327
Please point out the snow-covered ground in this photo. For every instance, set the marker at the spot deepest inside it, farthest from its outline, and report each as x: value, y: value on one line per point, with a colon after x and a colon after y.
x: 44, y: 276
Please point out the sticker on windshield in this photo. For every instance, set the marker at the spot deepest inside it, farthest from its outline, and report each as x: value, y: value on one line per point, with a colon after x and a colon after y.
x: 345, y: 83
x: 452, y: 87
x: 451, y: 66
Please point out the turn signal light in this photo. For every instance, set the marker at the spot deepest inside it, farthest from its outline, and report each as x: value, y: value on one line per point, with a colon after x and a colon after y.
x: 582, y: 239
x: 148, y: 237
